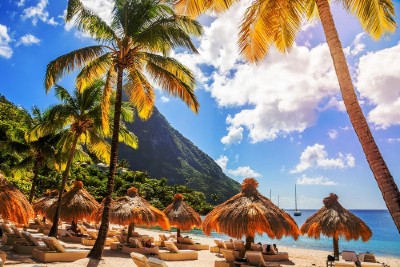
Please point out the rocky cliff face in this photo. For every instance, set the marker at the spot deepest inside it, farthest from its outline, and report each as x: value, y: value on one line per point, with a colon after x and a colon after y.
x: 164, y: 152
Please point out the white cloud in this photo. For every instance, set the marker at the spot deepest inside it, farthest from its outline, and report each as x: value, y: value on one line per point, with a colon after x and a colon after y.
x: 378, y: 81
x: 164, y: 99
x: 5, y: 40
x: 21, y: 3
x: 240, y: 172
x: 392, y: 140
x: 316, y: 157
x: 281, y: 95
x: 320, y: 180
x: 234, y: 136
x: 333, y: 134
x: 357, y: 45
x: 39, y: 12
x: 28, y: 40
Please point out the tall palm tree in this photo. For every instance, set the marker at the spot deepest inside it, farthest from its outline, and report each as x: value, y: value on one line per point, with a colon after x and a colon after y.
x: 79, y: 117
x: 267, y: 23
x: 133, y: 47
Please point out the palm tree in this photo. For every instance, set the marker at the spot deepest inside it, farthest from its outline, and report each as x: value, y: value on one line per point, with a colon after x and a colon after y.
x: 82, y: 113
x: 267, y: 23
x: 133, y: 47
x: 34, y: 155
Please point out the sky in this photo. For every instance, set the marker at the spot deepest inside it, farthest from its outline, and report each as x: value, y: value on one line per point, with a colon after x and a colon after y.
x: 282, y: 121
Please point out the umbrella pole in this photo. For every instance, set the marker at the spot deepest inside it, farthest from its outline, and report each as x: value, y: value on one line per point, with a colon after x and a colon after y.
x: 131, y: 227
x: 249, y: 240
x: 178, y: 232
x: 336, y: 247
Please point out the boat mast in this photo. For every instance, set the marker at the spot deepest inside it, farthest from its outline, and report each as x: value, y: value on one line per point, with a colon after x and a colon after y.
x: 295, y: 197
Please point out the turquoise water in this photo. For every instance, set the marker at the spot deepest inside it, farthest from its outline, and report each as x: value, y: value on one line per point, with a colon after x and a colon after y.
x: 385, y: 240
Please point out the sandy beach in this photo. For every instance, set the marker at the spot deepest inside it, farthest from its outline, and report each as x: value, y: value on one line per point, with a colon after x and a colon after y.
x: 297, y: 257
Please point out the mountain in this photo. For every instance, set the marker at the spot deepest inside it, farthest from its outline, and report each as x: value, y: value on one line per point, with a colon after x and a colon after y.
x: 164, y: 152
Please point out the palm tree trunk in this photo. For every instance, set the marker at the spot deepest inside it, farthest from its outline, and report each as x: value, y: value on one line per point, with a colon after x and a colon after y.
x: 54, y: 227
x: 34, y: 181
x: 386, y: 183
x: 97, y: 250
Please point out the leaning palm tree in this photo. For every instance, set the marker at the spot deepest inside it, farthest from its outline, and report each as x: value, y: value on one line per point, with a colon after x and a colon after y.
x: 133, y: 47
x: 79, y: 118
x: 267, y: 23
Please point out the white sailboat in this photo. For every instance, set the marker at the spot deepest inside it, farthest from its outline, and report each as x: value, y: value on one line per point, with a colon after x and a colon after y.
x: 296, y: 211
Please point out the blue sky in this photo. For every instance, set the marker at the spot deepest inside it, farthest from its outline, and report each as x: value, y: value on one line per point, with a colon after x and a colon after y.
x: 282, y: 121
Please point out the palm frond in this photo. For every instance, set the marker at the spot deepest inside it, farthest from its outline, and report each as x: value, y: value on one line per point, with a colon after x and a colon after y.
x: 127, y: 112
x: 195, y: 8
x: 140, y: 93
x: 98, y: 146
x: 93, y: 71
x: 69, y: 62
x: 375, y: 16
x: 170, y: 80
x: 128, y: 138
x: 89, y: 22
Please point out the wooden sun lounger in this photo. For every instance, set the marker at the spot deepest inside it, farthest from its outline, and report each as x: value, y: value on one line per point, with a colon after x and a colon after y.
x: 142, y: 261
x: 218, y: 247
x: 174, y: 254
x: 188, y: 243
x: 255, y: 258
x: 89, y: 241
x: 28, y: 245
x: 55, y: 252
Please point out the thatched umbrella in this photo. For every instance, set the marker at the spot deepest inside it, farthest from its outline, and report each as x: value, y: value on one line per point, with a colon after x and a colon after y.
x: 13, y: 204
x: 76, y: 204
x: 249, y: 213
x: 133, y: 209
x: 41, y: 205
x: 181, y: 215
x: 335, y: 221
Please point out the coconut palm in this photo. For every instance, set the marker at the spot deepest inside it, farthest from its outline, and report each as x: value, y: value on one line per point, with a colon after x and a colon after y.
x: 267, y: 23
x: 133, y: 46
x: 79, y: 118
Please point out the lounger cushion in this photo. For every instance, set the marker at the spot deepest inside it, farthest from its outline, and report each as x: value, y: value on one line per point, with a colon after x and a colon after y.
x: 55, y: 244
x: 171, y: 247
x: 229, y: 245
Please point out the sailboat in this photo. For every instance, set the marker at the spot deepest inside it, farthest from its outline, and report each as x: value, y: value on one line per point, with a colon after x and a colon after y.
x: 296, y: 211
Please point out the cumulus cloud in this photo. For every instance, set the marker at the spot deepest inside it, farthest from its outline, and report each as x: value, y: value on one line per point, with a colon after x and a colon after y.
x: 21, y: 3
x: 39, y: 12
x: 240, y: 172
x: 164, y: 99
x: 357, y: 45
x: 378, y: 81
x: 333, y: 134
x: 5, y: 40
x: 320, y: 180
x: 281, y: 95
x: 316, y: 157
x: 28, y: 40
x: 392, y: 140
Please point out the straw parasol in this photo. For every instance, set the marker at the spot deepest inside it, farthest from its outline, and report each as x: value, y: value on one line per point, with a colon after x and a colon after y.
x: 44, y: 203
x: 133, y: 209
x: 76, y: 204
x: 335, y: 221
x: 249, y: 213
x: 181, y: 215
x: 13, y: 204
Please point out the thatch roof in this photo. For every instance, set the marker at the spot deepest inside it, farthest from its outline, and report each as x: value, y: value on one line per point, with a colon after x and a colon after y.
x: 249, y: 213
x: 13, y: 204
x: 181, y: 215
x: 334, y: 220
x: 76, y: 204
x: 134, y: 209
x: 44, y: 203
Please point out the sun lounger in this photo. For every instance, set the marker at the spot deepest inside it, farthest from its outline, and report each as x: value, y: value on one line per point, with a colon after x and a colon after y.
x: 137, y: 247
x: 174, y: 254
x: 255, y: 258
x: 239, y: 245
x: 3, y: 257
x: 89, y: 241
x: 28, y: 245
x: 349, y: 255
x: 229, y: 259
x: 141, y: 261
x: 280, y: 256
x: 188, y: 243
x: 55, y: 252
x: 8, y: 237
x: 344, y: 264
x: 218, y: 246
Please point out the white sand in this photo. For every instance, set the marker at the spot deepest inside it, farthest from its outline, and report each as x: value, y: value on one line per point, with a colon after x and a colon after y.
x: 297, y: 256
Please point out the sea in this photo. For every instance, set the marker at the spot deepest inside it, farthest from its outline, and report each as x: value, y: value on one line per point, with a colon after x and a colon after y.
x: 385, y: 240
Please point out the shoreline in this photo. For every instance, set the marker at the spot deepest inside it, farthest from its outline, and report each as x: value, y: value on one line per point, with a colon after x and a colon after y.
x: 301, y: 257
